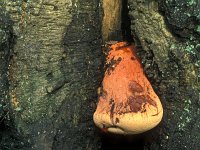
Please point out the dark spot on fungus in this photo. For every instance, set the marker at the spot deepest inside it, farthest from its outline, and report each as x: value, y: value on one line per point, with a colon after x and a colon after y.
x: 112, y: 64
x: 135, y: 87
x: 135, y: 103
x: 143, y: 108
x: 117, y: 120
x: 109, y: 73
x: 119, y: 59
x: 138, y: 103
x: 148, y: 91
x: 112, y: 111
x: 111, y: 101
x: 150, y: 101
x: 132, y: 58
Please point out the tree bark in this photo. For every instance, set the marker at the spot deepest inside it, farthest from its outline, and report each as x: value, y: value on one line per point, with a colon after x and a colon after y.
x: 170, y: 56
x: 55, y: 68
x: 5, y: 47
x: 54, y: 72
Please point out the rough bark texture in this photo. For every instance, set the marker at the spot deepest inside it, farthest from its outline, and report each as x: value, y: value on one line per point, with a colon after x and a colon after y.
x: 6, y: 44
x: 54, y: 73
x: 5, y: 47
x: 56, y: 67
x: 173, y: 67
x: 182, y: 16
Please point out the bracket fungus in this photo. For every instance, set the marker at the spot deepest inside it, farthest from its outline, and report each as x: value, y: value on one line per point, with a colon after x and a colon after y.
x: 127, y: 102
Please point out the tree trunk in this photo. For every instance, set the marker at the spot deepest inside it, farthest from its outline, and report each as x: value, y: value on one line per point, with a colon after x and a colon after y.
x: 168, y: 44
x: 55, y: 67
x: 54, y: 72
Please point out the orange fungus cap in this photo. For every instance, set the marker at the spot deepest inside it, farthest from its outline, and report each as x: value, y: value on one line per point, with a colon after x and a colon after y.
x: 127, y: 102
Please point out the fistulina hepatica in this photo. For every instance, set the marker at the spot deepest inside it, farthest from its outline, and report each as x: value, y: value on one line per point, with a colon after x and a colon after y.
x: 127, y: 102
